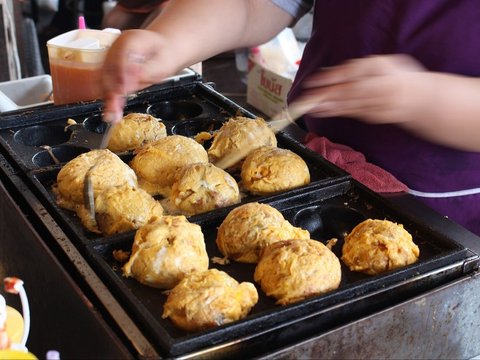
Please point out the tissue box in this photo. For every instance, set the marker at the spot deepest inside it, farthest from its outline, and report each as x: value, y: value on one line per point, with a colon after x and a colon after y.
x: 266, y: 90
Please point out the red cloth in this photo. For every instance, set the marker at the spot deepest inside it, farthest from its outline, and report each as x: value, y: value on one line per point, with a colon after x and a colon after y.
x: 354, y: 162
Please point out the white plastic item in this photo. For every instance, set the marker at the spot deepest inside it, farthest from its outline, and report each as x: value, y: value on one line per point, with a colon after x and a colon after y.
x: 6, y: 104
x: 281, y: 54
x: 26, y: 92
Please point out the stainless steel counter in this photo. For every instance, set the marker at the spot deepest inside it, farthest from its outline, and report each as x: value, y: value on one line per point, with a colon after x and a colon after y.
x: 442, y: 324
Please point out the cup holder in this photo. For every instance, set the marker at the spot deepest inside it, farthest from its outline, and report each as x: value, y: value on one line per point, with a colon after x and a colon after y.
x: 43, y: 135
x: 328, y: 222
x: 95, y: 124
x: 57, y: 154
x: 175, y: 110
x: 191, y: 128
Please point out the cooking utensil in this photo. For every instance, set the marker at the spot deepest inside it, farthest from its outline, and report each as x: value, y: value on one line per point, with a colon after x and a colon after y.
x: 88, y: 194
x: 277, y: 123
x: 107, y: 134
x: 50, y: 152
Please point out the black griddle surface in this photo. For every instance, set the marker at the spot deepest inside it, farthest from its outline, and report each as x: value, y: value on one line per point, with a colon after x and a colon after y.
x: 329, y: 207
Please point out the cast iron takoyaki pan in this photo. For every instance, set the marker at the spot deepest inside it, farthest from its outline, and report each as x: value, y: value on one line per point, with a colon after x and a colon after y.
x: 40, y: 149
x: 330, y: 207
x: 31, y: 138
x: 322, y: 173
x: 328, y: 212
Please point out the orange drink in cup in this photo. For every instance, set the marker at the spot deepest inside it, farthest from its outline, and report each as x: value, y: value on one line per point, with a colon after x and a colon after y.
x: 75, y: 60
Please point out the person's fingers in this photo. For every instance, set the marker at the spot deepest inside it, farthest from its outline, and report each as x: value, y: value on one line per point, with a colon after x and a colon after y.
x: 368, y: 111
x: 122, y: 66
x: 349, y: 71
x: 373, y: 99
x: 337, y: 92
x: 119, y: 79
x: 122, y: 72
x: 139, y: 58
x: 357, y: 69
x: 113, y: 108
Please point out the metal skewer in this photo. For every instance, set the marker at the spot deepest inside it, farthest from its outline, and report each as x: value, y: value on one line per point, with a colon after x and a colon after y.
x: 88, y: 193
x: 106, y: 136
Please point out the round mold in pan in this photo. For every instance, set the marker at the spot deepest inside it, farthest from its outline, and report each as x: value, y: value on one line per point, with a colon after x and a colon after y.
x: 137, y: 108
x: 94, y: 123
x: 39, y: 135
x: 175, y: 110
x: 62, y: 153
x: 325, y: 223
x: 192, y: 127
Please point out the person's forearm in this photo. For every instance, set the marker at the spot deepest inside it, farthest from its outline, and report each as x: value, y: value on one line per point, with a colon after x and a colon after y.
x: 451, y: 112
x: 185, y: 32
x: 199, y: 29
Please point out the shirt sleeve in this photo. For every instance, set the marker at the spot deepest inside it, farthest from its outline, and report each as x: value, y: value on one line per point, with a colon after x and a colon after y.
x: 139, y: 4
x: 296, y: 8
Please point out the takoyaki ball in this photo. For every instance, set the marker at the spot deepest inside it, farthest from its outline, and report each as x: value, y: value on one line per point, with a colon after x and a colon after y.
x: 269, y: 170
x: 202, y: 187
x: 106, y: 169
x: 247, y: 229
x: 134, y: 130
x: 166, y: 250
x: 122, y: 208
x: 156, y: 163
x: 376, y: 246
x: 236, y: 135
x: 203, y: 300
x: 294, y: 270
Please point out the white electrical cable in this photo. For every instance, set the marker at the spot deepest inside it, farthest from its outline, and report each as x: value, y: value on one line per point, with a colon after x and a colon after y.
x: 446, y: 194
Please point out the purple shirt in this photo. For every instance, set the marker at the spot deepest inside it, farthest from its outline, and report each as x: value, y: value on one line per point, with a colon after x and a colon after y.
x: 444, y: 36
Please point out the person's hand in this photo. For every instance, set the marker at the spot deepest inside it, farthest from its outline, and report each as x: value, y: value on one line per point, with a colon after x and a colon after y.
x: 440, y: 107
x: 179, y: 37
x: 136, y: 60
x: 375, y: 89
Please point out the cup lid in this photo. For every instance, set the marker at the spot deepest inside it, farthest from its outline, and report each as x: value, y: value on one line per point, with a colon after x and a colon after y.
x: 85, y: 39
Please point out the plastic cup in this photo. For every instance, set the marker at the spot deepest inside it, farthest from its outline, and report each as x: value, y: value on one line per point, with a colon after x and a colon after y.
x: 75, y: 60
